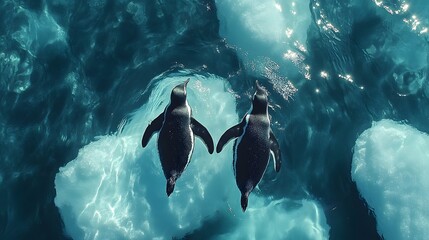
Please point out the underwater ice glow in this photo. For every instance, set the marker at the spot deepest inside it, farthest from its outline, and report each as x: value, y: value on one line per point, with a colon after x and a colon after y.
x: 269, y: 37
x: 390, y: 165
x: 116, y: 189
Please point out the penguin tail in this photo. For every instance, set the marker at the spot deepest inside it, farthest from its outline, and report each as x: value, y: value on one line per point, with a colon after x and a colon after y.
x: 171, y: 182
x: 244, y: 201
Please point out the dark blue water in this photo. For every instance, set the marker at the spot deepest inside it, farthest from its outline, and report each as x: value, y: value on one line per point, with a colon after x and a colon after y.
x: 74, y: 70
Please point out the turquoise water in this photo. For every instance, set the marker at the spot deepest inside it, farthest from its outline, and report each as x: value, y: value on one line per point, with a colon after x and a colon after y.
x: 80, y: 81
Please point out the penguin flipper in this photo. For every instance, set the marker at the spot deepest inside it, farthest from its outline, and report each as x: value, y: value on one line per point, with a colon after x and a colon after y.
x: 153, y: 127
x: 203, y: 133
x: 275, y: 150
x: 233, y: 132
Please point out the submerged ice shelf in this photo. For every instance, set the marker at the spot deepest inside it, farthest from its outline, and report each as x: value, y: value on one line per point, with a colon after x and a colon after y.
x: 115, y: 188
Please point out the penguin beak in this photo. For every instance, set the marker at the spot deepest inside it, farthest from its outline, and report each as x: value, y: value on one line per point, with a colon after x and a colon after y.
x: 185, y: 84
x: 259, y: 90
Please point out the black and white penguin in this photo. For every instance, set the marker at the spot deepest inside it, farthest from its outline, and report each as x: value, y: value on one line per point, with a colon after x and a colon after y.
x: 176, y: 139
x: 255, y: 140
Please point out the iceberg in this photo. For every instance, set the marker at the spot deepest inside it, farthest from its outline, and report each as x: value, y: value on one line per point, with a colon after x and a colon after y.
x: 390, y: 163
x: 115, y: 189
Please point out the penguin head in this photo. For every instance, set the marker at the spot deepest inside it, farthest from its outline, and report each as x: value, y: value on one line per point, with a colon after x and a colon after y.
x: 178, y: 94
x: 260, y: 100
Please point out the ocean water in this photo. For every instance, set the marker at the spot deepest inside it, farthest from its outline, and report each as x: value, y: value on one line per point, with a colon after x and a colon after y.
x: 348, y: 99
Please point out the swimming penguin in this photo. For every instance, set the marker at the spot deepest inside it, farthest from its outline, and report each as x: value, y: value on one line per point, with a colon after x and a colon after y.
x: 253, y: 146
x: 176, y: 139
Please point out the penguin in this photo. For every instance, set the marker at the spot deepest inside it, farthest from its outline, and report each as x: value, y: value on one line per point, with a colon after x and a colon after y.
x: 176, y: 136
x: 255, y: 141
